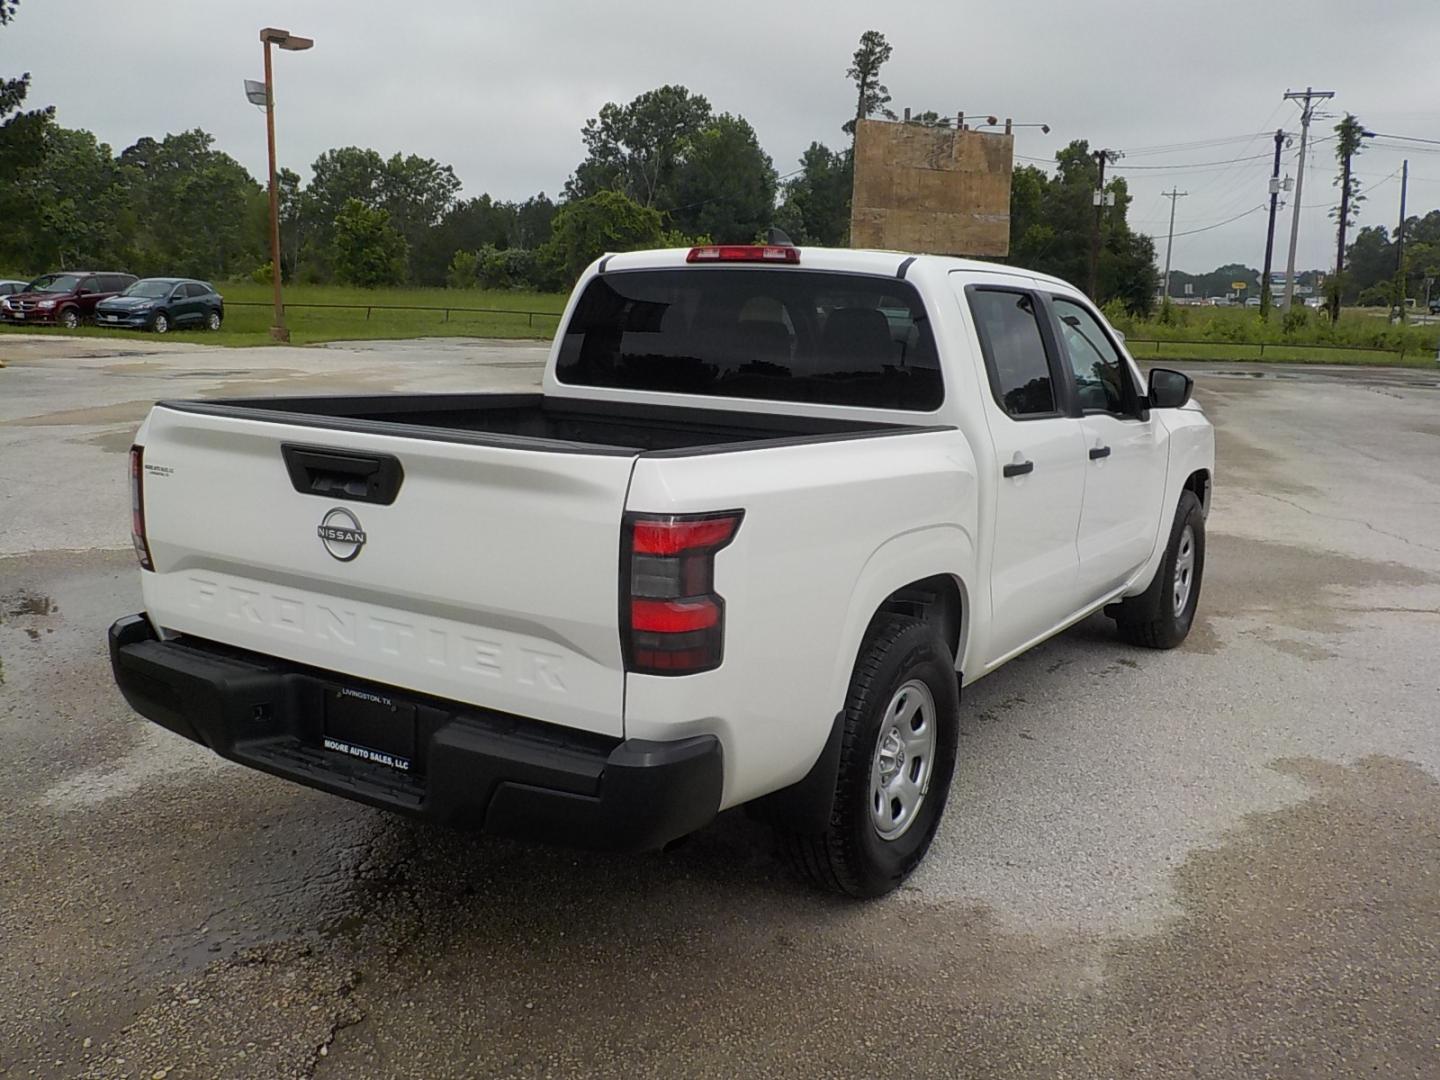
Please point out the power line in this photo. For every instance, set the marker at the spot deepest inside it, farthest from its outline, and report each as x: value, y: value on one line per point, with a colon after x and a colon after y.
x: 1198, y: 164
x: 1227, y: 221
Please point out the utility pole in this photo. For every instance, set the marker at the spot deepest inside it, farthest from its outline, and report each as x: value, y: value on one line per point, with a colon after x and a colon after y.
x: 1101, y: 157
x: 1400, y: 243
x: 1266, y: 300
x: 1307, y: 113
x: 1174, y: 195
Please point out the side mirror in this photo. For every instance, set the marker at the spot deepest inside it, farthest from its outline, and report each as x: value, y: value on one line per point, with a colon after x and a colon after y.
x: 1169, y: 389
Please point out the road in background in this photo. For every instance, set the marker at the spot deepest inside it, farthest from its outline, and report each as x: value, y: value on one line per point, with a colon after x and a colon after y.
x: 1219, y: 861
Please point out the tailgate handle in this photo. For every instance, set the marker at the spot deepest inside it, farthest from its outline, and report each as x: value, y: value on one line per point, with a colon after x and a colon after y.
x: 343, y: 474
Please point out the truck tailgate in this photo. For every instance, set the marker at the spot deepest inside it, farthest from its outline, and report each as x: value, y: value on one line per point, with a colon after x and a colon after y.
x: 492, y: 577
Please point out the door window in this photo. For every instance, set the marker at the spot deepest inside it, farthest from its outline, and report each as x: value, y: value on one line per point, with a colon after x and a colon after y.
x: 1102, y: 379
x: 1015, y: 358
x: 90, y: 285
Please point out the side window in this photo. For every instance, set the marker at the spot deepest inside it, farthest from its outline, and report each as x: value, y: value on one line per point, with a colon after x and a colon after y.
x: 1009, y: 329
x: 90, y: 285
x: 1101, y: 377
x: 193, y: 290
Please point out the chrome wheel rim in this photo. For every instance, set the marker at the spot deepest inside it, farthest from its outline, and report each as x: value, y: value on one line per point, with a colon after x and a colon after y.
x: 214, y: 321
x: 161, y: 324
x: 1184, y: 570
x: 904, y: 760
x: 69, y: 320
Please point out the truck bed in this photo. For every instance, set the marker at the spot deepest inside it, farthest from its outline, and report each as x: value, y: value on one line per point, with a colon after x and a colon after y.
x: 533, y: 420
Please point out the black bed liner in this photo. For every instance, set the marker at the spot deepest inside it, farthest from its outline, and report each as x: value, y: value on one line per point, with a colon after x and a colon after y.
x: 557, y: 424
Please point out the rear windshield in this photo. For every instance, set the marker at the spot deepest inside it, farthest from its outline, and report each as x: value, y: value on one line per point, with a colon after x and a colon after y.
x: 779, y: 334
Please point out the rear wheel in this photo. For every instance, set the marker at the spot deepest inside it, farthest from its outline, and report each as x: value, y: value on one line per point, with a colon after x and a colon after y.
x: 1160, y: 617
x: 160, y: 323
x: 69, y: 318
x: 896, y: 760
x: 212, y: 321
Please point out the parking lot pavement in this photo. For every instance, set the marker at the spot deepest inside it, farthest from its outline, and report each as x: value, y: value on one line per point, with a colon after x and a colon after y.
x: 1220, y: 861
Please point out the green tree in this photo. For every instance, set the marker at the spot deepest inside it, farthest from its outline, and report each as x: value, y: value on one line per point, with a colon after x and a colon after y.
x: 726, y: 186
x: 585, y: 229
x: 816, y: 207
x: 1349, y: 141
x: 79, y: 197
x: 22, y: 147
x: 531, y: 228
x: 198, y: 213
x: 1369, y: 262
x: 636, y: 149
x: 468, y: 226
x: 416, y: 192
x: 366, y: 249
x: 1051, y: 222
x: 871, y: 96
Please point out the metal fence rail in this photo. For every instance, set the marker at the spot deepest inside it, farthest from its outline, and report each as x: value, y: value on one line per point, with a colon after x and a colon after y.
x: 1262, y: 345
x: 529, y: 315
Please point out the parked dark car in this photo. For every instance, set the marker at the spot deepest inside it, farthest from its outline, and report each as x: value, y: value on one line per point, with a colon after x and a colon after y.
x: 163, y: 304
x: 8, y: 286
x: 67, y: 298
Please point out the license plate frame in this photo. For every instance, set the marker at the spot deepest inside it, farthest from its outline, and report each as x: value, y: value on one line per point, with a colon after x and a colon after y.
x: 370, y: 726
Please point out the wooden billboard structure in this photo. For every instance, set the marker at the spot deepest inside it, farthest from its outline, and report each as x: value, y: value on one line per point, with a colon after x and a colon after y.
x: 934, y: 190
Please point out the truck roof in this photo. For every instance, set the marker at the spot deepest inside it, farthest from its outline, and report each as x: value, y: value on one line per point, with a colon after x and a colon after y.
x: 854, y: 260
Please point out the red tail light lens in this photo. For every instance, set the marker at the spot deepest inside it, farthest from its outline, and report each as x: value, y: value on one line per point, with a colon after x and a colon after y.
x: 674, y: 620
x: 766, y: 253
x: 137, y: 507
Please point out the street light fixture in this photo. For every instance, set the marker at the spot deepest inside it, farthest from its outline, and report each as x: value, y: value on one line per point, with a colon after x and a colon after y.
x: 290, y: 43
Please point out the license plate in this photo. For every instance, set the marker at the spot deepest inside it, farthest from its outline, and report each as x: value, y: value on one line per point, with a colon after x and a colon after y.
x: 113, y: 318
x: 19, y: 314
x: 370, y: 727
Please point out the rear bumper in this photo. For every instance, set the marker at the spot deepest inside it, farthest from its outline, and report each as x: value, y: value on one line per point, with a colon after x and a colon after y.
x: 472, y: 768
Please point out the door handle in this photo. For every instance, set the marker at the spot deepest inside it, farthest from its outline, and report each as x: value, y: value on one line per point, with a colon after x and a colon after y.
x: 1098, y: 452
x: 1018, y: 468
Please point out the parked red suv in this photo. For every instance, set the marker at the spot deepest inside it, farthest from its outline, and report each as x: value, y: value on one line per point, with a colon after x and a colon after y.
x: 65, y: 298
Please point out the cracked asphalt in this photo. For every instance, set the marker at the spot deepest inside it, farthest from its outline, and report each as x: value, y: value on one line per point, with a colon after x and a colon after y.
x: 1222, y: 861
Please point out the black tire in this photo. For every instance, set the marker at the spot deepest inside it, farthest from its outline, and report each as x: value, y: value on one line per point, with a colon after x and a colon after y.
x: 69, y: 319
x: 1152, y: 619
x: 213, y: 320
x: 160, y: 323
x: 851, y: 857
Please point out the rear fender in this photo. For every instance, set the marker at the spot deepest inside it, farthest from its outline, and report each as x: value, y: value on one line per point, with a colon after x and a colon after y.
x: 932, y: 551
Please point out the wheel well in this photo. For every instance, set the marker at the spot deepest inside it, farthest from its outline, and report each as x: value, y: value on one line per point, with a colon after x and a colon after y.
x: 935, y: 600
x: 1199, y: 483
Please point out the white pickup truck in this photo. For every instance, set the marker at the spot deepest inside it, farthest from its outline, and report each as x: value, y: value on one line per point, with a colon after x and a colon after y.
x: 773, y: 507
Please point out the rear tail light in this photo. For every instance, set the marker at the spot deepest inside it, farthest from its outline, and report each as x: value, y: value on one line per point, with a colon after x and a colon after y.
x: 673, y: 620
x: 767, y: 253
x: 137, y: 507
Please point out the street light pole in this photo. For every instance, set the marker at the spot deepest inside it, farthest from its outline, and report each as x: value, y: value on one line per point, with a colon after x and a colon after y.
x: 283, y: 38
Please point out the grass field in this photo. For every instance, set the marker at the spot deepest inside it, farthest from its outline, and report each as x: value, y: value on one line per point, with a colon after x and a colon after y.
x: 363, y: 316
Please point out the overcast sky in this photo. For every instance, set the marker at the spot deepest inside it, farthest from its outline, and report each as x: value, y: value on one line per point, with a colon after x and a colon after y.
x: 500, y: 91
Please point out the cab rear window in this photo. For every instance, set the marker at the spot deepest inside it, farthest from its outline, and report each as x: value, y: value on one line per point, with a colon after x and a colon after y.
x: 772, y: 334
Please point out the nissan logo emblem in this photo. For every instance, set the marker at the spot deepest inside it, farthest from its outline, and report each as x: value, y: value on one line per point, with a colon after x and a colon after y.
x: 341, y: 534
